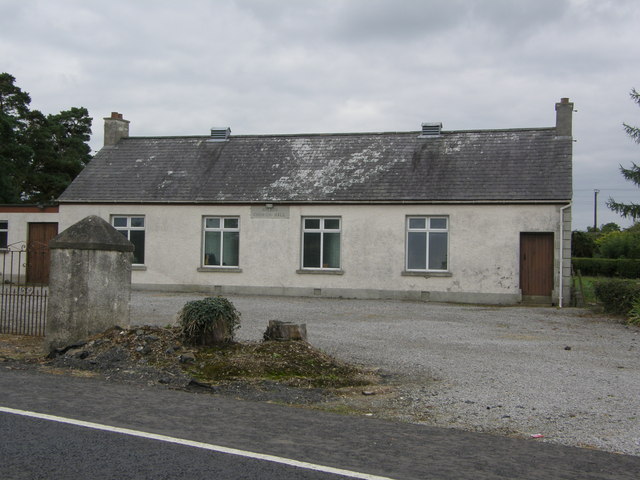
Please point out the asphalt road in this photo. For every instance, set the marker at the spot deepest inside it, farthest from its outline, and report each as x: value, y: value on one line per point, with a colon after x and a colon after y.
x: 48, y: 449
x: 34, y: 448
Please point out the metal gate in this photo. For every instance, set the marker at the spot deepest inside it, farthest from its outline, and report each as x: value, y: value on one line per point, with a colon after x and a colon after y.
x: 23, y: 304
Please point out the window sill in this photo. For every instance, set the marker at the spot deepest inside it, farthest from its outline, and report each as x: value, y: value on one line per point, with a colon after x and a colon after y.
x: 320, y: 271
x: 220, y: 269
x: 139, y: 268
x: 425, y: 274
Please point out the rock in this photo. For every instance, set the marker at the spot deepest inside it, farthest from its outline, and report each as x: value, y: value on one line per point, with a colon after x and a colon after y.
x: 187, y: 357
x: 83, y: 354
x: 63, y: 350
x: 143, y: 349
x: 193, y: 383
x: 79, y: 353
x: 567, y: 347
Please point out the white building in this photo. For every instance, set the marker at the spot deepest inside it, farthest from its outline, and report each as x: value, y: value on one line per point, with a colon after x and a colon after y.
x: 477, y: 216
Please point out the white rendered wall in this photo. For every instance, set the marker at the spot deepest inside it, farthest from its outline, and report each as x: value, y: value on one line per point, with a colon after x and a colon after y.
x: 19, y: 221
x: 18, y: 231
x: 484, y: 242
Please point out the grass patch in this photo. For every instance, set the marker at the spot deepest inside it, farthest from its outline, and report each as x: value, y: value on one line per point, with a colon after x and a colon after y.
x: 292, y: 363
x: 588, y: 289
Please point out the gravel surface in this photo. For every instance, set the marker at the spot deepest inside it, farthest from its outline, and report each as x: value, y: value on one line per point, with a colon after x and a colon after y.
x: 568, y: 375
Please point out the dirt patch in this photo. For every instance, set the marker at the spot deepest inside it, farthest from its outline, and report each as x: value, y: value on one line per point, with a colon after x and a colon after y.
x: 20, y: 348
x: 285, y: 372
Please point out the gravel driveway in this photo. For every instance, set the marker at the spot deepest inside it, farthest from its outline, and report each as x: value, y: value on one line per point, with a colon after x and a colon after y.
x: 568, y: 375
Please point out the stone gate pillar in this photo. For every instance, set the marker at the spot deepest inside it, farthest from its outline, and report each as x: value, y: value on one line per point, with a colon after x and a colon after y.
x: 89, y: 284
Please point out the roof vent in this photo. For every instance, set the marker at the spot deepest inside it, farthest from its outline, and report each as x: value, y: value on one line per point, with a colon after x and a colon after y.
x: 431, y: 129
x: 220, y: 133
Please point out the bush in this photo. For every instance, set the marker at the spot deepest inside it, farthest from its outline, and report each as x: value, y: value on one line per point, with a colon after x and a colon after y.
x: 607, y: 267
x: 617, y: 295
x: 634, y: 313
x: 583, y: 244
x: 619, y: 245
x: 210, y: 321
x: 628, y: 268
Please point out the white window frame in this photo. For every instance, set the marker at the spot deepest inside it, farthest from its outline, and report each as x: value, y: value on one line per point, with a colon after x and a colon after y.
x: 322, y: 230
x: 4, y: 229
x: 427, y: 230
x: 222, y: 229
x: 128, y: 228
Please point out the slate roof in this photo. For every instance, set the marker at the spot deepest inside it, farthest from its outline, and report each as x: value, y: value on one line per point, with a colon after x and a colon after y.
x: 516, y: 165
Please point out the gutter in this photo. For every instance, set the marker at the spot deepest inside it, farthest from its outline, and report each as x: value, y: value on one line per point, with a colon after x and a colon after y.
x: 313, y: 202
x: 560, y: 257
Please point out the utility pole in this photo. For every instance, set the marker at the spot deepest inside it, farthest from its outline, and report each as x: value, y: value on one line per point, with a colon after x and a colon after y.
x: 595, y: 209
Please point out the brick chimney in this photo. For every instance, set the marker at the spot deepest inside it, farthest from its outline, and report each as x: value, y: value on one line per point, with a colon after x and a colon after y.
x: 115, y: 128
x: 564, y: 113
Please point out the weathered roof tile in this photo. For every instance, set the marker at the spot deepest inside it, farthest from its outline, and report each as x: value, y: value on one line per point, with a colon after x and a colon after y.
x: 489, y: 165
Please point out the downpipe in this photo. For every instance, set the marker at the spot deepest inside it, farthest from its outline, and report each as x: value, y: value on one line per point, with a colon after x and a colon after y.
x: 560, y: 257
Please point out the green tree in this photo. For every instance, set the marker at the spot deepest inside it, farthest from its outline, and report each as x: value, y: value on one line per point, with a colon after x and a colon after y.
x: 629, y: 210
x: 610, y: 227
x: 14, y: 156
x: 582, y: 244
x: 624, y: 244
x: 39, y: 155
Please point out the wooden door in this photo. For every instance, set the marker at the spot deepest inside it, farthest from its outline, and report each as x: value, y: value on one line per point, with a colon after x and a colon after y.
x: 536, y: 264
x: 38, y: 257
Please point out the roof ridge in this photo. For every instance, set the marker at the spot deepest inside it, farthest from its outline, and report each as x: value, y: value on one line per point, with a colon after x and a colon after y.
x: 338, y: 134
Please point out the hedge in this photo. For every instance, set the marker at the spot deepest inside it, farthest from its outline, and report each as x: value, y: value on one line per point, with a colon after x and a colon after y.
x: 607, y: 267
x: 617, y: 295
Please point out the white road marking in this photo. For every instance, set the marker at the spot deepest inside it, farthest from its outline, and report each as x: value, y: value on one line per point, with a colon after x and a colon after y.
x: 191, y: 443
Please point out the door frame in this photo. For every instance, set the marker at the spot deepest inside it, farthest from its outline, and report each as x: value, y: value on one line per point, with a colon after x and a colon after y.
x: 536, y: 260
x: 38, y: 254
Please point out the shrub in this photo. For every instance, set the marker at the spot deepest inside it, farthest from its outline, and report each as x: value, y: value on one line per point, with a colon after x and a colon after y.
x: 628, y: 268
x: 633, y: 317
x: 619, y: 245
x: 594, y: 267
x: 607, y: 267
x: 583, y: 244
x: 210, y: 321
x: 617, y: 295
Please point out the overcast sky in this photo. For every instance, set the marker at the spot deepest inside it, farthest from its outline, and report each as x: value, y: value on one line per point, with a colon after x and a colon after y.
x: 298, y: 66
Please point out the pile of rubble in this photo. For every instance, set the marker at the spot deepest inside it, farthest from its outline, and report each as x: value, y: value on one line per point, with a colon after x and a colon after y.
x: 143, y: 355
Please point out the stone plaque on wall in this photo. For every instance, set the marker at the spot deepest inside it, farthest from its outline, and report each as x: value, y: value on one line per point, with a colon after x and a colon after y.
x: 276, y: 211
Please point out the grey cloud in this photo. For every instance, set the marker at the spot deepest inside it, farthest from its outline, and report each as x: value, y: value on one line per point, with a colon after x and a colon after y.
x: 267, y: 66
